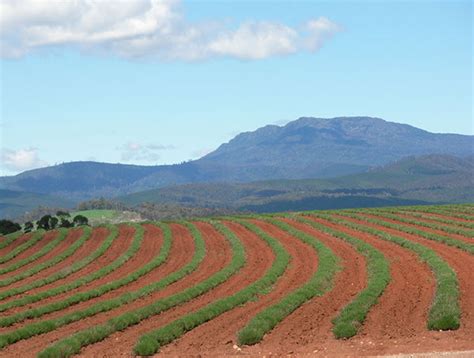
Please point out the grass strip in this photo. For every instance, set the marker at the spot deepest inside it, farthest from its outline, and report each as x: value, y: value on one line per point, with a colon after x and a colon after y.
x: 45, y: 326
x: 352, y: 316
x: 151, y: 342
x: 73, y: 344
x: 440, y: 210
x: 47, y: 248
x: 37, y: 236
x: 113, y: 233
x: 465, y: 246
x: 50, y: 263
x: 319, y: 283
x: 444, y: 312
x: 427, y: 216
x: 392, y: 214
x: 9, y: 238
x: 84, y: 296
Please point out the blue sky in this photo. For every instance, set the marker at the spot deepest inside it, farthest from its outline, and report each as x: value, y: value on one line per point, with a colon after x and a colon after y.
x: 214, y: 69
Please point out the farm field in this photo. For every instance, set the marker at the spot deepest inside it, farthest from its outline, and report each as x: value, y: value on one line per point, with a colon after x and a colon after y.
x: 359, y: 282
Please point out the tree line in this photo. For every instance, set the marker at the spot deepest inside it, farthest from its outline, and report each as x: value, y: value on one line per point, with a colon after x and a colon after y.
x: 46, y: 222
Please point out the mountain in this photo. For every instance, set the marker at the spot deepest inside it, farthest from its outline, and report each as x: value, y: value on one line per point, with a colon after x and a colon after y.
x: 409, y: 181
x: 305, y: 148
x: 16, y: 203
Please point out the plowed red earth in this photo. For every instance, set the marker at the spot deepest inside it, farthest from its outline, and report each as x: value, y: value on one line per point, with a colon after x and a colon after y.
x: 395, y: 324
x: 423, y: 228
x: 48, y: 237
x: 218, y: 337
x: 13, y: 245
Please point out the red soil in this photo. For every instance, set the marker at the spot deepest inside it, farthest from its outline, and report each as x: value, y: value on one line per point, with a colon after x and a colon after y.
x: 424, y: 228
x: 218, y: 336
x: 453, y: 220
x: 461, y: 339
x: 47, y: 238
x: 14, y: 244
x: 72, y: 236
x: 181, y: 252
x: 259, y: 258
x: 118, y: 247
x: 396, y: 324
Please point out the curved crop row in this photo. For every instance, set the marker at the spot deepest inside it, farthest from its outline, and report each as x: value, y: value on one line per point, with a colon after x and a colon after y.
x: 44, y: 265
x: 320, y: 282
x: 151, y: 342
x: 38, y: 283
x: 438, y: 219
x: 113, y: 233
x: 353, y: 315
x: 440, y: 215
x: 465, y: 246
x: 37, y: 236
x: 445, y: 312
x: 44, y: 250
x: 73, y: 344
x: 388, y: 213
x: 9, y: 239
x: 41, y: 327
x: 84, y: 296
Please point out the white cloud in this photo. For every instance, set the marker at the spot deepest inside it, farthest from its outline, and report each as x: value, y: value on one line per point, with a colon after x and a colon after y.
x: 133, y: 152
x: 153, y: 29
x: 20, y: 160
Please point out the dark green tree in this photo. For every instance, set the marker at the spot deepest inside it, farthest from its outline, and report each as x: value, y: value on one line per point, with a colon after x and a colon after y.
x: 80, y: 220
x: 28, y: 227
x: 7, y: 227
x: 65, y: 223
x: 44, y: 222
x: 62, y: 213
x: 53, y: 222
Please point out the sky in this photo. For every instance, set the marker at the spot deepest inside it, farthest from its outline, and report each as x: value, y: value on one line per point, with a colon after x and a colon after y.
x: 156, y: 82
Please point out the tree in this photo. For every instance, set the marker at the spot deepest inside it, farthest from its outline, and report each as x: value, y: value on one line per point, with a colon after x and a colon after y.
x: 28, y: 227
x: 53, y: 222
x: 44, y: 222
x: 65, y: 223
x: 7, y: 227
x: 62, y: 213
x: 80, y: 220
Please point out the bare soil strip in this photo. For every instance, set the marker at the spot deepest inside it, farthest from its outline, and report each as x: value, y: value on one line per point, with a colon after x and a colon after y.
x: 419, y: 227
x: 461, y: 339
x: 14, y: 244
x: 72, y: 236
x: 181, y: 252
x: 120, y: 244
x: 218, y: 336
x: 47, y: 238
x: 312, y: 322
x: 454, y: 220
x: 259, y: 258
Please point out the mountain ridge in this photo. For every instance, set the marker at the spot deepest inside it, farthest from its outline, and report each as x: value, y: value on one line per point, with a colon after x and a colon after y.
x: 305, y: 148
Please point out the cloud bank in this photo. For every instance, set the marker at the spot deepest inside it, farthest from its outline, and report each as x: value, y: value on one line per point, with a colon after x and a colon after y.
x: 142, y: 152
x: 21, y: 160
x: 148, y: 29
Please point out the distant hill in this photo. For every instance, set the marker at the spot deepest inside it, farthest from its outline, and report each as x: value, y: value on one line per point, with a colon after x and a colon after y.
x: 305, y: 148
x: 412, y: 180
x: 16, y: 203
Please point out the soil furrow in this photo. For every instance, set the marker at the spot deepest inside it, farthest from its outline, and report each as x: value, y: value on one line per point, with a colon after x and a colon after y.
x: 463, y: 264
x: 259, y: 258
x: 181, y: 252
x: 218, y: 336
x: 64, y: 245
x: 47, y: 238
x: 119, y: 245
